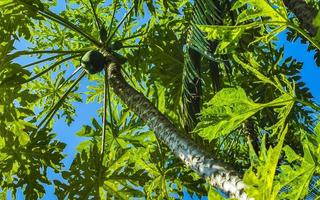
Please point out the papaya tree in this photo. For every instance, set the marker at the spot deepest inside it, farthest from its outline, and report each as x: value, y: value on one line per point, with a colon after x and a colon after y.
x: 230, y: 115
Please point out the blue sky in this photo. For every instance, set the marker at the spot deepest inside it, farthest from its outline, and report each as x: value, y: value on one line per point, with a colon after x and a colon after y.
x: 310, y: 75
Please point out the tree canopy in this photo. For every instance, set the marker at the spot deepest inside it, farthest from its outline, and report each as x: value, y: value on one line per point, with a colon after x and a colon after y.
x: 207, y: 77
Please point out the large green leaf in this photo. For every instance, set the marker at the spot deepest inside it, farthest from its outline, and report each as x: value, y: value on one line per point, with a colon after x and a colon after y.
x: 295, y: 179
x: 258, y: 13
x: 228, y: 109
x: 260, y: 176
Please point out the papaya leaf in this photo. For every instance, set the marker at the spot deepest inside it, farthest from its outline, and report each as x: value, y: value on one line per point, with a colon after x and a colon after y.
x: 259, y: 178
x: 275, y: 11
x: 37, y: 151
x: 294, y: 177
x: 258, y: 14
x: 227, y: 35
x: 224, y: 112
x: 228, y: 109
x: 120, y: 178
x: 213, y: 194
x: 254, y: 67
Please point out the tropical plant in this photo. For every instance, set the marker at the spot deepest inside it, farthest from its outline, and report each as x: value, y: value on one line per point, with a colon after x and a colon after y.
x: 206, y: 77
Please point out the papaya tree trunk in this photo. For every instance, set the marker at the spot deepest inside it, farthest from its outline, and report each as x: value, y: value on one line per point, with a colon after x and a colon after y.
x: 304, y: 12
x: 181, y: 145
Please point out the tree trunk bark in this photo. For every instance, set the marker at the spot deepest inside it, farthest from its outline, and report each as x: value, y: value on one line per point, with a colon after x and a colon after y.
x: 181, y: 145
x: 304, y: 12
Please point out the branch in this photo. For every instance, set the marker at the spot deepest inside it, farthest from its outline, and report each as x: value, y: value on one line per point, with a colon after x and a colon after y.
x: 60, y: 20
x: 50, y: 68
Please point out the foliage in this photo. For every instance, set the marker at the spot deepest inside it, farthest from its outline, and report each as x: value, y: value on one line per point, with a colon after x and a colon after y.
x: 265, y: 18
x: 231, y: 107
x: 252, y: 100
x: 228, y: 109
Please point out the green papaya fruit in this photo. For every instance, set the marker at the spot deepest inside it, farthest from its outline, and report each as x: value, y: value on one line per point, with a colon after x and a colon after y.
x: 93, y: 61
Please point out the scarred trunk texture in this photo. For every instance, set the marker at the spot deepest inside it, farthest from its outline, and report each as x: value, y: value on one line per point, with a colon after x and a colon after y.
x: 192, y: 155
x: 304, y: 12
